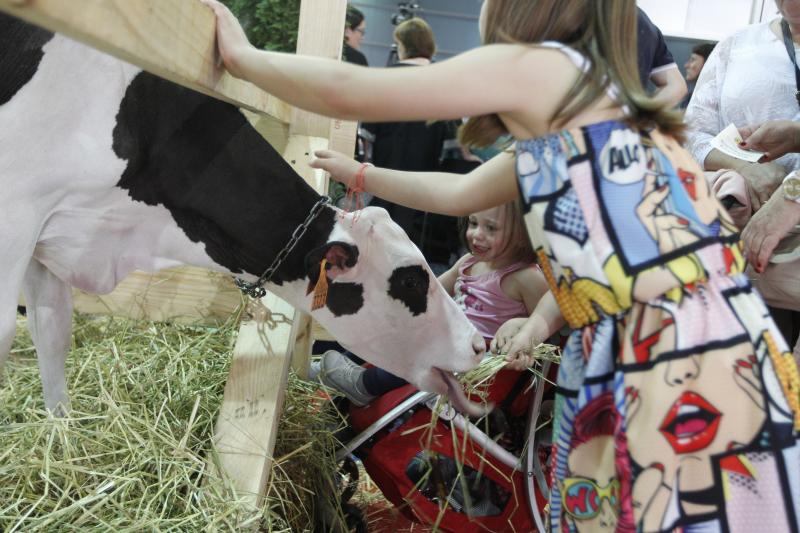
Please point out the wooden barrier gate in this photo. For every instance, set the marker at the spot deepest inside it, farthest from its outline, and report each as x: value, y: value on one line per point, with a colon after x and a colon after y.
x: 174, y: 39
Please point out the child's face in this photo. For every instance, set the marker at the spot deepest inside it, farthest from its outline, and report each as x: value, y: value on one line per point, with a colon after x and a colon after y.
x: 486, y: 234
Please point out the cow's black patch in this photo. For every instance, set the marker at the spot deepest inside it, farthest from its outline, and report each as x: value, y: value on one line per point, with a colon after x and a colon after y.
x: 21, y: 46
x: 345, y: 298
x: 222, y: 182
x: 410, y: 285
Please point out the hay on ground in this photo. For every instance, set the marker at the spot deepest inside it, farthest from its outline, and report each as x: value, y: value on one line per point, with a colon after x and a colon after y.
x: 133, y: 453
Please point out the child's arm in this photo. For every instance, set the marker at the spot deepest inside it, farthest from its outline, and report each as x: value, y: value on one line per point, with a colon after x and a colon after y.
x: 528, y: 285
x: 487, y: 79
x: 448, y: 279
x: 493, y: 183
x: 545, y: 320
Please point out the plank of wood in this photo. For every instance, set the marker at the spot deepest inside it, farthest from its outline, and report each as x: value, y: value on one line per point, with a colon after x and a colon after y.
x: 247, y: 423
x: 185, y: 295
x: 321, y: 33
x: 342, y: 136
x: 174, y: 39
x: 302, y: 336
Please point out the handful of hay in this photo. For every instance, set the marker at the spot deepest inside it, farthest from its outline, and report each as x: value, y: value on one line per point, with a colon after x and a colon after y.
x: 476, y: 380
x: 133, y: 455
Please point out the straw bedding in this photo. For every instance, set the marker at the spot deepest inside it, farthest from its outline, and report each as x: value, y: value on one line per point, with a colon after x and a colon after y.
x: 133, y: 454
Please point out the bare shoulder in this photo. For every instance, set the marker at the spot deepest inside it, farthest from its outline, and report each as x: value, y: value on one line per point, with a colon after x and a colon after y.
x: 529, y: 280
x: 542, y: 77
x: 463, y: 259
x: 543, y: 65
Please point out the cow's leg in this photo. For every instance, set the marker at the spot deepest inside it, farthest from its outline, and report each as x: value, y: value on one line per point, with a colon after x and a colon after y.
x: 8, y: 324
x: 49, y: 303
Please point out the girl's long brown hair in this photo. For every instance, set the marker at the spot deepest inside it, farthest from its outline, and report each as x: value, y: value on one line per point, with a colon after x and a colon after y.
x: 604, y: 31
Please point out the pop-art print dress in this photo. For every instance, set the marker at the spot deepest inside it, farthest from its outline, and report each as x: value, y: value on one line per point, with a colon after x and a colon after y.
x: 677, y: 398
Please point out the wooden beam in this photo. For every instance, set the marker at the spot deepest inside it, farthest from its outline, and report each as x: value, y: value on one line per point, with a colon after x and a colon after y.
x: 174, y: 39
x: 248, y: 420
x: 320, y: 33
x: 184, y: 295
x: 247, y: 423
x: 303, y: 340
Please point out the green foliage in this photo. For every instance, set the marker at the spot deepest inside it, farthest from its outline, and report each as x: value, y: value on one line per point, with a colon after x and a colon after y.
x: 270, y: 24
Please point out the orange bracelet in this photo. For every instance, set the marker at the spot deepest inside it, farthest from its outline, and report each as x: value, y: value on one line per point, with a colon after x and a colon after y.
x: 354, y: 194
x: 362, y: 171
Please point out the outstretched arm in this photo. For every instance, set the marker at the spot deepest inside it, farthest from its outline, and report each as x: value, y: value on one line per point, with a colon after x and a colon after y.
x: 491, y: 184
x: 487, y: 79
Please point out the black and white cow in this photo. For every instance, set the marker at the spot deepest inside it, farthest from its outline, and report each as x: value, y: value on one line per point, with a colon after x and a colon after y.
x: 105, y: 169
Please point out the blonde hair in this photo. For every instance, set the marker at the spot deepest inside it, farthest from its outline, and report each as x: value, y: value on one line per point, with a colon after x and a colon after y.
x: 515, y: 235
x: 603, y: 31
x: 417, y: 39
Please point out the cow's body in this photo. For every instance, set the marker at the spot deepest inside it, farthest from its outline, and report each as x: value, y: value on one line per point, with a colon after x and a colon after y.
x: 105, y: 169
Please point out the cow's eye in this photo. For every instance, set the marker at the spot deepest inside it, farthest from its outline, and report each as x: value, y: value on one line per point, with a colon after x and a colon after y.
x: 409, y: 285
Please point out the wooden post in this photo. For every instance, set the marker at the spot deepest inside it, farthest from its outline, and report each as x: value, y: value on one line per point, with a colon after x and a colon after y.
x: 245, y: 445
x: 319, y: 34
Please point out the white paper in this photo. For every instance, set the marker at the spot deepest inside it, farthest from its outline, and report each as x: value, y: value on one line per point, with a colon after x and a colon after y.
x: 727, y: 141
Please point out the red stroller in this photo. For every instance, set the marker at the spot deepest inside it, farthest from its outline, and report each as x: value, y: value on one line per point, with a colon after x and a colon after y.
x: 462, y: 476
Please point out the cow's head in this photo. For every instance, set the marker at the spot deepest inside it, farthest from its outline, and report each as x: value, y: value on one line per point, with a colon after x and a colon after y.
x: 386, y: 306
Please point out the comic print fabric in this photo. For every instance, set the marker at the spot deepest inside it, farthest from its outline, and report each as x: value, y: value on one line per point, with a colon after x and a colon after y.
x: 677, y: 404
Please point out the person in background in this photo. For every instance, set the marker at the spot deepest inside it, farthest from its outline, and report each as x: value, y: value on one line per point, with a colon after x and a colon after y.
x: 417, y: 146
x: 354, y: 30
x: 656, y: 64
x: 748, y: 79
x: 495, y: 283
x: 694, y: 65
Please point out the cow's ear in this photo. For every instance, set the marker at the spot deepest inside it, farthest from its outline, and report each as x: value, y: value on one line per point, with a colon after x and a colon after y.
x: 340, y: 256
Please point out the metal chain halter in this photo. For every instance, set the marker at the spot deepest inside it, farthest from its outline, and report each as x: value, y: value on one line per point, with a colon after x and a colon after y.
x: 256, y: 290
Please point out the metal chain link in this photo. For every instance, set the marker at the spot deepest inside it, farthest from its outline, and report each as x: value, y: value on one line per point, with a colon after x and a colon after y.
x: 256, y: 290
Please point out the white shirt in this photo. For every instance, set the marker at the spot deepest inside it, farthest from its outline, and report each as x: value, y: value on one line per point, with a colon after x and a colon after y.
x: 747, y: 80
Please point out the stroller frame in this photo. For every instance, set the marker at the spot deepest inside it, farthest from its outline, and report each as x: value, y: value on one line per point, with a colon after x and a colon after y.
x: 533, y: 468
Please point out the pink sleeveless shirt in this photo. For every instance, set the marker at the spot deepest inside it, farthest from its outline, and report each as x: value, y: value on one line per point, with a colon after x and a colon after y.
x: 482, y: 299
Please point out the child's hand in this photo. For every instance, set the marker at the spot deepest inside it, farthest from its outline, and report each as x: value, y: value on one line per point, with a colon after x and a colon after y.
x: 519, y: 361
x: 231, y: 39
x: 519, y: 349
x: 505, y: 333
x: 342, y: 168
